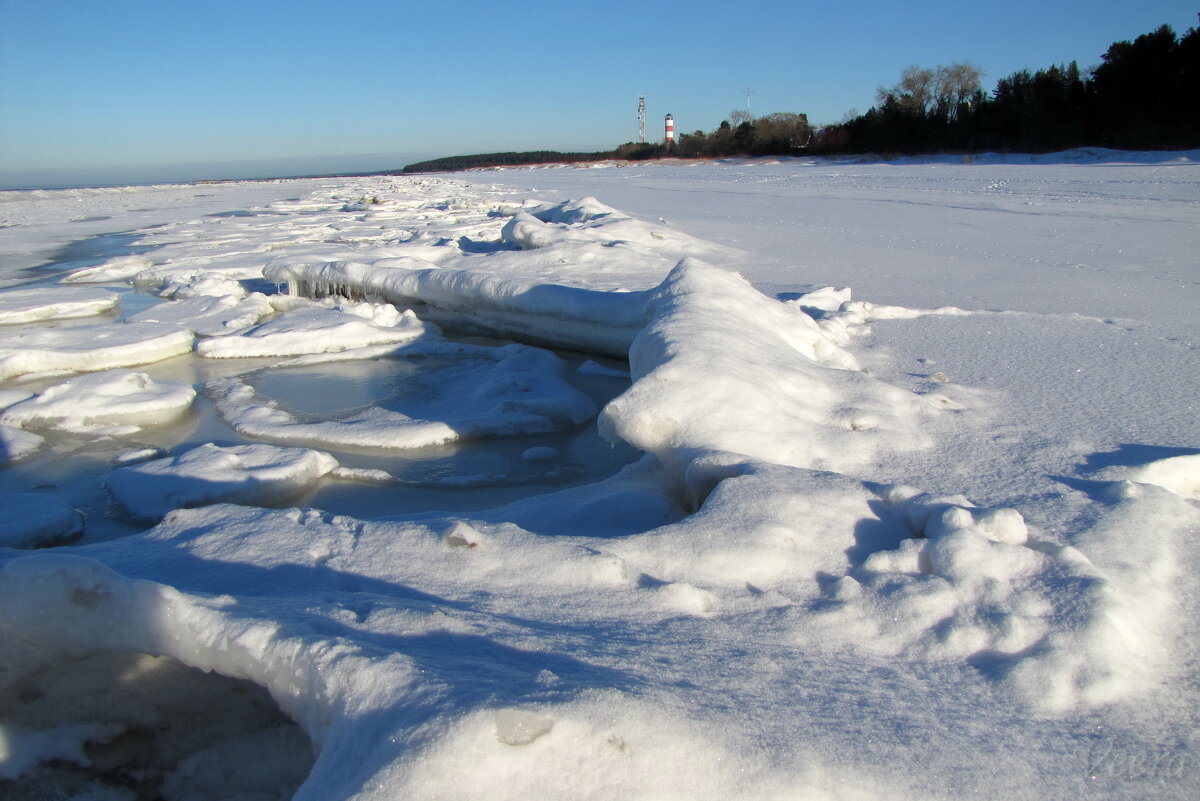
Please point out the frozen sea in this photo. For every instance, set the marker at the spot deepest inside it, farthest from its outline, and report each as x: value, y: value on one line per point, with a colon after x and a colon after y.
x: 747, y: 479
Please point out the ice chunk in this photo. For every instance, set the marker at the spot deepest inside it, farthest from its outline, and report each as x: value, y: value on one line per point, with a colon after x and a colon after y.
x: 16, y: 444
x: 54, y: 303
x: 251, y: 474
x: 178, y: 286
x: 116, y: 401
x: 121, y: 268
x: 45, y: 350
x: 316, y: 329
x: 209, y: 316
x: 37, y: 519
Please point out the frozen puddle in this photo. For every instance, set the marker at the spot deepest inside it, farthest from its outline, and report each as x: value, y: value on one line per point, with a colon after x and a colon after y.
x: 127, y: 725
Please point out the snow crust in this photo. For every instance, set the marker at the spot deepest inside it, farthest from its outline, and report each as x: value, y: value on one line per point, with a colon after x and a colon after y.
x: 917, y: 545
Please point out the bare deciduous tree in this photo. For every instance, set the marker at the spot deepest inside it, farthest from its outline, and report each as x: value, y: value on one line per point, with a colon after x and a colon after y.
x: 938, y: 90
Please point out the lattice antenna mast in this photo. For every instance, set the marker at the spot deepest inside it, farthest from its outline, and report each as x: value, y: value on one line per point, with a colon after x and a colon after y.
x: 641, y: 120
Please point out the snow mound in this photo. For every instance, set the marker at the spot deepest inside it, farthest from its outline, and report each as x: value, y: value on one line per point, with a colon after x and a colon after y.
x: 87, y: 713
x: 53, y: 303
x: 711, y: 329
x: 1178, y: 474
x: 36, y: 520
x: 252, y: 474
x: 114, y: 402
x: 320, y: 329
x: 490, y: 392
x: 46, y: 350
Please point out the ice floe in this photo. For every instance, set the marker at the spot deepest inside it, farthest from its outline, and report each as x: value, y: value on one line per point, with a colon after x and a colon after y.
x: 251, y: 474
x: 49, y: 303
x: 111, y: 402
x: 210, y: 316
x: 36, y: 520
x: 320, y: 329
x: 50, y: 350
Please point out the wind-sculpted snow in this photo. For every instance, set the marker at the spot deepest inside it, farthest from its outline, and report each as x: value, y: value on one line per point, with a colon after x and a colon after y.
x: 839, y: 569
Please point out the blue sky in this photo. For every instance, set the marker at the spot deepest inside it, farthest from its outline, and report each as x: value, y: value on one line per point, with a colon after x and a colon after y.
x: 109, y: 90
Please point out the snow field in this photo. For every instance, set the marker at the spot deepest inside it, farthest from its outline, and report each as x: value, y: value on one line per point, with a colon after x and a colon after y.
x: 758, y: 608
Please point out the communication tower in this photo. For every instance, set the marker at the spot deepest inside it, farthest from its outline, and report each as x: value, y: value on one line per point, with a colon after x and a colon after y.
x: 641, y: 120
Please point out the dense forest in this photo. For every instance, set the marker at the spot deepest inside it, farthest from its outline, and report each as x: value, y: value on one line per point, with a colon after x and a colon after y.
x: 1144, y: 95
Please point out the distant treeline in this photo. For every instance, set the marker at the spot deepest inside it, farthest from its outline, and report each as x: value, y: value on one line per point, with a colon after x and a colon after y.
x: 1144, y: 95
x: 451, y: 163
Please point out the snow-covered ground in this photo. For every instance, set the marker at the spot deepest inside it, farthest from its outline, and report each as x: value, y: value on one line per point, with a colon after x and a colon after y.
x: 902, y: 499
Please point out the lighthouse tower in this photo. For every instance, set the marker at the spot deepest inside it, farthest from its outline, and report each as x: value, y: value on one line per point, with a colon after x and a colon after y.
x: 670, y: 135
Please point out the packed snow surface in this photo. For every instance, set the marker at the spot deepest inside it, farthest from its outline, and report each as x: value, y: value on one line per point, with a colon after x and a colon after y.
x: 916, y: 513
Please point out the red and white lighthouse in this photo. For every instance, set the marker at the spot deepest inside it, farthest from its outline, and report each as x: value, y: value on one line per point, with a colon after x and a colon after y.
x: 670, y: 136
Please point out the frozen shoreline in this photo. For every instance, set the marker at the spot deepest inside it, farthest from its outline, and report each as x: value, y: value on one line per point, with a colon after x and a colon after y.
x: 814, y: 621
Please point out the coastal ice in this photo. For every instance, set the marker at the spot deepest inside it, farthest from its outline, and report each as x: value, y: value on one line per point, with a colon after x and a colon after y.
x: 55, y: 350
x: 47, y: 303
x: 320, y: 329
x: 249, y: 474
x: 209, y: 316
x: 110, y: 402
x: 912, y: 511
x: 36, y: 520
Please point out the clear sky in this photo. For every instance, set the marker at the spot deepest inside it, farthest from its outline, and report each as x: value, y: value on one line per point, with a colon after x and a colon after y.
x: 95, y: 91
